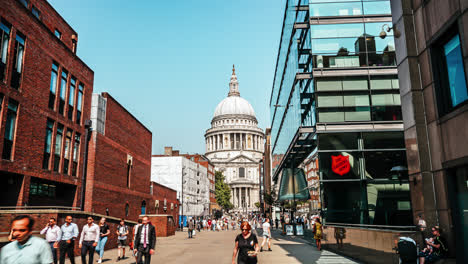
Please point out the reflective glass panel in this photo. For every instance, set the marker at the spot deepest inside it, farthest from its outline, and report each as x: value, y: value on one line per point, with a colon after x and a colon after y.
x: 455, y: 71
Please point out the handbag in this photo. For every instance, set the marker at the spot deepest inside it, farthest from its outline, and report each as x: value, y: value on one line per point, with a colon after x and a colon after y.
x: 130, y: 245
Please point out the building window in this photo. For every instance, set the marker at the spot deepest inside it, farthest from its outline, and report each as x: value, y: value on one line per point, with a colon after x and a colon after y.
x: 25, y: 3
x: 241, y: 172
x: 129, y: 172
x: 58, y: 34
x: 79, y: 103
x: 18, y: 66
x: 10, y: 128
x: 42, y: 189
x: 76, y: 151
x: 127, y: 209
x: 48, y: 144
x: 58, y: 147
x: 143, y: 207
x: 4, y: 41
x: 63, y: 90
x: 71, y: 97
x: 36, y: 12
x: 68, y: 147
x: 53, y: 85
x: 449, y: 75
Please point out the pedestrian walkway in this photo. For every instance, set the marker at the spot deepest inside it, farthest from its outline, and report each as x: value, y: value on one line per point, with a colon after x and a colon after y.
x: 209, y: 247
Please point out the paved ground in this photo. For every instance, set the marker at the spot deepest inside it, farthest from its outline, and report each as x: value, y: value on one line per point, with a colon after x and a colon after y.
x: 216, y: 248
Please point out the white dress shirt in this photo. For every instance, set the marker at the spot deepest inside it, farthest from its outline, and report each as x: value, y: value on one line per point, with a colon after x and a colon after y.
x: 90, y: 233
x: 52, y: 234
x: 145, y: 230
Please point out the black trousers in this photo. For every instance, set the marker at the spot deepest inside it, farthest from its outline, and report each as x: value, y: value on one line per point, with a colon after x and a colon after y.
x: 54, y: 251
x: 143, y: 252
x: 67, y: 248
x: 87, y: 247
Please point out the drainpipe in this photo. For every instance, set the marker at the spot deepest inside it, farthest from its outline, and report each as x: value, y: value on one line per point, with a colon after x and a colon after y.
x: 87, y: 125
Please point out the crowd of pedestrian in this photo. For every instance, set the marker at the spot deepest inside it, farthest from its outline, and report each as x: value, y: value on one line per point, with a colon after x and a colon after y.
x: 24, y: 248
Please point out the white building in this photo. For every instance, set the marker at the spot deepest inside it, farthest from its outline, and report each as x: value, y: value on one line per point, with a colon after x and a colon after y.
x: 174, y: 171
x: 234, y: 144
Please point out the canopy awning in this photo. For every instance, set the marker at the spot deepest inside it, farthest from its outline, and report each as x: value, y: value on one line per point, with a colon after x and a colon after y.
x: 293, y: 185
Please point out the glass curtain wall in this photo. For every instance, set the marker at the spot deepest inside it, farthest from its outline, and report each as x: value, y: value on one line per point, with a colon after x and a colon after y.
x: 367, y: 192
x: 287, y: 114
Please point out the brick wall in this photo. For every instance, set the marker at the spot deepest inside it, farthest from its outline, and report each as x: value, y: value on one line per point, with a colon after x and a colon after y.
x: 161, y: 192
x: 41, y: 49
x: 106, y: 185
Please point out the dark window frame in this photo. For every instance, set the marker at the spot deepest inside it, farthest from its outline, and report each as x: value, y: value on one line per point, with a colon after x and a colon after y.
x: 17, y: 72
x: 439, y: 71
x: 5, y: 36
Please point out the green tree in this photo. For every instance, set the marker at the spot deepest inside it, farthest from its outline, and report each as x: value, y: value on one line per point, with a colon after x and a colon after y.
x: 222, y: 192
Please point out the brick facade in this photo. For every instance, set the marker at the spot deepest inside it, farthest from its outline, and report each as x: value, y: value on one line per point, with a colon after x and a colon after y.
x: 165, y: 201
x: 25, y: 165
x: 109, y: 186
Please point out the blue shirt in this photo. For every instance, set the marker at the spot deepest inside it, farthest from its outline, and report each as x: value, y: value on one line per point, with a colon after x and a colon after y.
x: 69, y: 232
x: 35, y: 251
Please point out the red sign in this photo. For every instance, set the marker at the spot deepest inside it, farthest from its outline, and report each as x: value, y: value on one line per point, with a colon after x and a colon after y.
x: 340, y: 164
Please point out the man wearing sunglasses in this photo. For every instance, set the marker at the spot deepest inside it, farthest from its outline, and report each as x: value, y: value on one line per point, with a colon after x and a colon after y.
x: 439, y: 248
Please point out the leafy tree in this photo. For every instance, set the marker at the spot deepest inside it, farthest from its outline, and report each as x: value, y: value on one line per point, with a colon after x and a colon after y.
x: 222, y: 192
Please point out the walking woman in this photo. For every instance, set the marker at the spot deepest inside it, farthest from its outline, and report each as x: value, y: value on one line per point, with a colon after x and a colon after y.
x: 104, y: 232
x: 246, y: 247
x: 318, y: 233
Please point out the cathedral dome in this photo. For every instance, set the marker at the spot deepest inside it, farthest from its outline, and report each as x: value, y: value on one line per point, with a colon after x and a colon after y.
x: 234, y: 104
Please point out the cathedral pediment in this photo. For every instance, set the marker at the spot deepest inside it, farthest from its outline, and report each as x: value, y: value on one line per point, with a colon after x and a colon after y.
x: 241, y: 159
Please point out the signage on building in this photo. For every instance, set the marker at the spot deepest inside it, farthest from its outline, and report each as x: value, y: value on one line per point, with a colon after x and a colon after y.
x: 340, y: 164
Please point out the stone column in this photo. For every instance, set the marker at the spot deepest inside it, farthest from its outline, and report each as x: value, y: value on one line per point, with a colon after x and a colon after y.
x: 250, y: 201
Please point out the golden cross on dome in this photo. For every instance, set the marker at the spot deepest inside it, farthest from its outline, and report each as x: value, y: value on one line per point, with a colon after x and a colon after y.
x: 233, y: 70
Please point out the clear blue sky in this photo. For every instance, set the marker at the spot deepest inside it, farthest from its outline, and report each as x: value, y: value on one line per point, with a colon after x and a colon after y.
x: 169, y: 62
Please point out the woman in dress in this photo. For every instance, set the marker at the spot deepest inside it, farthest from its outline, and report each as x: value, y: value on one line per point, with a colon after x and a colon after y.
x: 318, y: 233
x: 246, y: 247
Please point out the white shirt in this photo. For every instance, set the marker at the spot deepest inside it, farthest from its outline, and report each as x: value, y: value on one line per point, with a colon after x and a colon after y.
x: 53, y: 234
x: 122, y: 230
x: 145, y: 230
x: 90, y: 233
x: 266, y: 227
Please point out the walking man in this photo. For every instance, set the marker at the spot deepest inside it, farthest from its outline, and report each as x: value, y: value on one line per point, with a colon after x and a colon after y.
x: 88, y: 240
x: 25, y: 249
x: 276, y: 222
x: 52, y: 234
x: 145, y: 241
x: 122, y: 232
x: 266, y: 234
x: 67, y: 241
x: 191, y: 227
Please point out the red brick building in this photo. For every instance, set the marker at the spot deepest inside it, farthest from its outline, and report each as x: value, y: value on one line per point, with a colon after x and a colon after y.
x: 119, y: 162
x: 311, y: 169
x: 45, y: 96
x: 165, y: 200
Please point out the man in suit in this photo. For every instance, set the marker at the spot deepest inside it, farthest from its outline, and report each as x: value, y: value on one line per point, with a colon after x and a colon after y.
x: 145, y: 241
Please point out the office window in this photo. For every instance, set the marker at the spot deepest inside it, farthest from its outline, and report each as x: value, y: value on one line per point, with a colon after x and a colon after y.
x: 449, y: 75
x: 71, y: 98
x: 63, y: 90
x: 66, y: 154
x: 18, y: 66
x: 36, y: 12
x: 129, y: 172
x: 48, y: 144
x: 4, y: 41
x: 58, y: 147
x: 76, y: 151
x: 58, y: 34
x: 25, y: 3
x: 10, y: 128
x: 79, y: 103
x: 53, y: 85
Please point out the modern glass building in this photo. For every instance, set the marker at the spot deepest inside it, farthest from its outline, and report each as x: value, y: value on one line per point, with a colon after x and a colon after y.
x: 336, y: 91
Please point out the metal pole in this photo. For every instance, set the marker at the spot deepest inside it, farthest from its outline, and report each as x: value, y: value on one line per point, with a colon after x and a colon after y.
x: 294, y: 199
x: 182, y: 199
